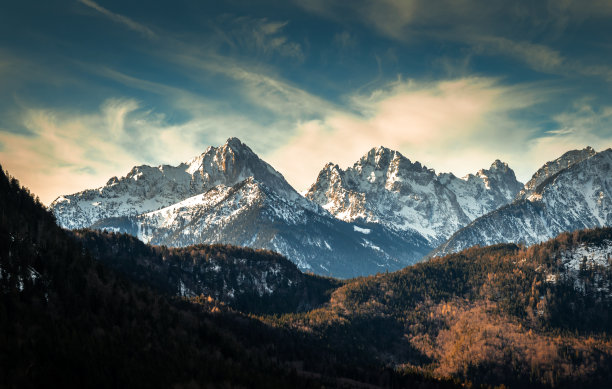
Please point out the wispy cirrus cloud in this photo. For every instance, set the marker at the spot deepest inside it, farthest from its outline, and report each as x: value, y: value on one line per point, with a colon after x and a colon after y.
x: 64, y: 151
x: 260, y: 84
x: 585, y: 118
x: 121, y: 19
x: 261, y: 88
x: 539, y: 57
x: 405, y: 19
x: 264, y: 36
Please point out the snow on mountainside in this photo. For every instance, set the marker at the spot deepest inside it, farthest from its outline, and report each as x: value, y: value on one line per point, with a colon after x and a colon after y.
x: 576, y: 197
x: 147, y: 188
x: 386, y: 188
x: 593, y: 260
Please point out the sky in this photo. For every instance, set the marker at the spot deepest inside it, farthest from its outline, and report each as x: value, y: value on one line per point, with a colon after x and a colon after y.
x: 89, y: 89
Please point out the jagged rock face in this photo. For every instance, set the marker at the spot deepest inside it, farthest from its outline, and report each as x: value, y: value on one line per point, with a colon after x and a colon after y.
x: 146, y: 188
x: 553, y: 167
x: 386, y: 188
x: 576, y: 197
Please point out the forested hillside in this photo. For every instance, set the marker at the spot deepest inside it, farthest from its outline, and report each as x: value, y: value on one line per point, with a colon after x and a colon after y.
x: 505, y: 314
x: 256, y: 281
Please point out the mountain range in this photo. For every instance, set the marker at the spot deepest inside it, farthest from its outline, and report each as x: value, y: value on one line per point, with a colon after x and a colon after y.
x: 381, y: 214
x: 229, y: 195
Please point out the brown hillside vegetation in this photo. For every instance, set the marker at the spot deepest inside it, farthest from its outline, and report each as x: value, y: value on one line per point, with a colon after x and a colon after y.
x: 485, y: 315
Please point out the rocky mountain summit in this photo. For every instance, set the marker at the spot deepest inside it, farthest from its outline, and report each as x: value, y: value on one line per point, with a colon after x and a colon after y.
x: 386, y: 188
x: 147, y: 188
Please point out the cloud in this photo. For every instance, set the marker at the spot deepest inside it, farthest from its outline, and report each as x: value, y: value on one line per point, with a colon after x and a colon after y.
x: 581, y: 132
x: 64, y: 152
x: 585, y: 121
x: 258, y: 85
x: 261, y: 36
x: 256, y: 82
x: 584, y: 124
x: 275, y: 104
x: 401, y: 19
x: 121, y: 19
x: 389, y: 17
x: 538, y: 57
x: 344, y: 40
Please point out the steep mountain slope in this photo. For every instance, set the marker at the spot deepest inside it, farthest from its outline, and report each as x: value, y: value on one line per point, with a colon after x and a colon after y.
x: 147, y: 188
x: 386, y: 188
x: 575, y: 197
x: 553, y: 167
x: 228, y: 195
x: 71, y: 322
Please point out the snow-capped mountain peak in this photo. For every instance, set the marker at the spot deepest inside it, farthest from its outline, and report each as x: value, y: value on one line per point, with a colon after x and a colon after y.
x: 379, y: 157
x: 231, y: 163
x: 387, y: 188
x: 384, y: 159
x: 501, y: 176
x: 147, y: 188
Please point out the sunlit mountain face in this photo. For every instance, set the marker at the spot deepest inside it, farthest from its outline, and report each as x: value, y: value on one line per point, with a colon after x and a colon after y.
x: 91, y: 88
